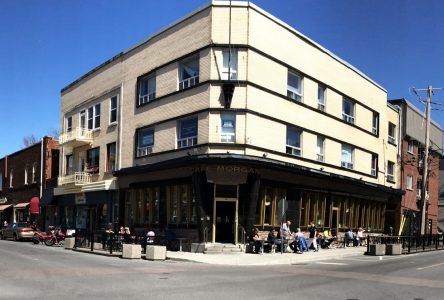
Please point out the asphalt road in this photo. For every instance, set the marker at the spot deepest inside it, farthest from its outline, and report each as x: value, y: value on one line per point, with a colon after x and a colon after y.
x: 30, y: 271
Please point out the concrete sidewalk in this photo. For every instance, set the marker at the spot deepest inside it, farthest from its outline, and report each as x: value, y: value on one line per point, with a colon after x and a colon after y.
x: 249, y: 259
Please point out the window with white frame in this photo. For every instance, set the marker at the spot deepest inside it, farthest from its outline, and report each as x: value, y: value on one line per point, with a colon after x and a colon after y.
x: 391, y: 133
x: 294, y: 141
x: 374, y: 165
x: 145, y: 141
x: 294, y: 86
x: 11, y: 178
x: 82, y: 120
x: 228, y: 127
x: 409, y: 182
x: 410, y: 147
x: 93, y: 160
x: 390, y: 171
x: 375, y: 123
x: 94, y: 117
x: 229, y: 64
x: 348, y: 111
x: 113, y: 109
x: 111, y: 157
x: 320, y: 148
x: 347, y: 156
x: 147, y: 88
x: 68, y: 124
x: 187, y: 133
x: 321, y: 97
x: 188, y: 73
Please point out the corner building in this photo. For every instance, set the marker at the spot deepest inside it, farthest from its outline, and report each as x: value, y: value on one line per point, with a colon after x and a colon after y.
x: 228, y: 111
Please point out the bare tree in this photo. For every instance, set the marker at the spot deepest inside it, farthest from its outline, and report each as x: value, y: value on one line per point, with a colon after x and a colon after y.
x: 30, y: 140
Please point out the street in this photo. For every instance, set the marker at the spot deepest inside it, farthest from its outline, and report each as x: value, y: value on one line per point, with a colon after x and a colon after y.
x: 38, y: 272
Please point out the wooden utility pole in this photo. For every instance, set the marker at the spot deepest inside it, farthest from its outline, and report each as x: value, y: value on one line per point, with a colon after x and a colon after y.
x: 425, y: 163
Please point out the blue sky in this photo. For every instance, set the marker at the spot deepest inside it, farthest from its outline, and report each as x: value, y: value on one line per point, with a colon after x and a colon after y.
x: 47, y: 44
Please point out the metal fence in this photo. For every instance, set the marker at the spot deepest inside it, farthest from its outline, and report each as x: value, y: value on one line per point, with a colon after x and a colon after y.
x: 409, y: 244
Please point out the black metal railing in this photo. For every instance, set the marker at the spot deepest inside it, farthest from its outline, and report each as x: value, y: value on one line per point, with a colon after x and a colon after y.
x: 410, y: 244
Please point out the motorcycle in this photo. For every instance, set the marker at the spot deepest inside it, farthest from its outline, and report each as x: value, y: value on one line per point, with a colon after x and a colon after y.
x: 40, y: 237
x: 57, y: 237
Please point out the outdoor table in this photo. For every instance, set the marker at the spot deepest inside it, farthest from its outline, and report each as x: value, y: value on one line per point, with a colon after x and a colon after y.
x: 180, y: 243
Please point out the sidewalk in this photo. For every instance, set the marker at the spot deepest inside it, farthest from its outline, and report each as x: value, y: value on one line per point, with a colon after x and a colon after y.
x: 249, y: 259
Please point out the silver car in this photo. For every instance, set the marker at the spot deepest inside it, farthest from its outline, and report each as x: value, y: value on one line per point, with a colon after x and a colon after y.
x: 17, y: 231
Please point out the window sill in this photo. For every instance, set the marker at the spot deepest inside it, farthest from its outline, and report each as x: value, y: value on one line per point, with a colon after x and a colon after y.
x: 112, y: 124
x: 391, y: 143
x: 391, y: 181
x: 409, y: 189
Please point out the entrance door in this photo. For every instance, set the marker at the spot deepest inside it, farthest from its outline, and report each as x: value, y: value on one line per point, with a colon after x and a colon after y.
x: 225, y: 221
x: 334, y: 221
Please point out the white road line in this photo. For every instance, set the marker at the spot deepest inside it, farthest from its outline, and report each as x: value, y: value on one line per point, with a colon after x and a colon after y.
x: 331, y: 263
x: 429, y: 266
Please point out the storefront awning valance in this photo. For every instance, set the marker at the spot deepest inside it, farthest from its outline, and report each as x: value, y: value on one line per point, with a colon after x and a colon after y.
x: 3, y: 207
x: 34, y: 207
x: 21, y: 205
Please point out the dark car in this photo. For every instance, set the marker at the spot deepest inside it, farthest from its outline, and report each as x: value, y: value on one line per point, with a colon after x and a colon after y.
x: 17, y: 231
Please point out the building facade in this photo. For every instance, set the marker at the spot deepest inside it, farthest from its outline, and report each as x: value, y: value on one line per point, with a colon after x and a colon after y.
x: 28, y: 178
x: 408, y: 213
x: 226, y: 120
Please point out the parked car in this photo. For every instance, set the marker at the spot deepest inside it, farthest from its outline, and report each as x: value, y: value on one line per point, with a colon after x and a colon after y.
x: 17, y: 231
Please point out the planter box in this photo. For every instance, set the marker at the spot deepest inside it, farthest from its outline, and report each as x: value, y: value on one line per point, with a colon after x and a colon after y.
x: 377, y: 249
x: 393, y: 249
x: 131, y: 251
x: 155, y: 252
x: 69, y: 242
x: 197, y: 247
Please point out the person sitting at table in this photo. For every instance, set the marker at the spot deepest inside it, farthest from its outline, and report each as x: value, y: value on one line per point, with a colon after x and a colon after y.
x: 299, y: 243
x: 271, y: 238
x: 255, y: 240
x: 349, y: 237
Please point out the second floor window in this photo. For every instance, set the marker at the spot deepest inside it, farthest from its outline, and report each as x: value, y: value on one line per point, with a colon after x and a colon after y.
x: 11, y: 177
x: 390, y: 171
x: 391, y: 133
x: 93, y: 160
x: 228, y: 128
x: 229, y: 65
x: 187, y: 133
x: 113, y: 110
x: 94, y: 117
x: 147, y: 89
x: 320, y: 148
x: 375, y: 124
x: 188, y: 73
x: 111, y: 157
x: 26, y: 174
x: 348, y: 111
x: 409, y: 182
x: 321, y: 97
x: 68, y: 124
x: 82, y: 119
x: 69, y: 164
x: 294, y: 86
x: 374, y: 166
x: 347, y: 157
x: 145, y: 141
x: 293, y: 141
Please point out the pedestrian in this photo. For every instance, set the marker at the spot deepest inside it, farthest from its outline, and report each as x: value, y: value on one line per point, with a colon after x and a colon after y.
x: 312, y: 236
x: 5, y: 224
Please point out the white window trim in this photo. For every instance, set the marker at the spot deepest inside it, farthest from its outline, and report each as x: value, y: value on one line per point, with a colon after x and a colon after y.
x: 321, y: 155
x: 407, y: 185
x: 292, y: 92
x: 94, y: 115
x: 348, y: 164
x: 410, y: 143
x: 68, y: 128
x: 146, y: 98
x: 146, y: 150
x: 190, y: 81
x: 115, y: 109
x: 392, y: 138
x: 234, y: 66
x: 375, y: 129
x: 321, y: 105
x: 188, y: 141
x: 391, y: 175
x: 346, y: 117
x: 295, y: 151
x: 227, y: 137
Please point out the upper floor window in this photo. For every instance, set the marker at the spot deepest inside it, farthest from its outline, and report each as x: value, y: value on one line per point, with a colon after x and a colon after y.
x: 82, y: 119
x: 1, y: 181
x: 145, y: 141
x: 188, y: 73
x: 69, y: 164
x: 229, y: 64
x: 348, y: 111
x: 390, y: 171
x: 147, y: 89
x: 347, y: 156
x: 26, y: 174
x: 228, y: 128
x: 321, y: 97
x: 187, y: 133
x: 11, y: 177
x: 320, y: 148
x: 375, y: 123
x: 391, y: 133
x: 93, y: 160
x: 34, y: 171
x: 113, y: 109
x: 374, y: 166
x: 111, y: 157
x: 294, y: 86
x: 409, y: 182
x: 294, y: 141
x: 94, y: 117
x: 410, y: 148
x: 68, y: 124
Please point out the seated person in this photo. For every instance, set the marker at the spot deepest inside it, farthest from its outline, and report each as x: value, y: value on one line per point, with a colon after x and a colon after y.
x: 271, y: 238
x: 349, y: 237
x: 299, y: 243
x: 255, y: 241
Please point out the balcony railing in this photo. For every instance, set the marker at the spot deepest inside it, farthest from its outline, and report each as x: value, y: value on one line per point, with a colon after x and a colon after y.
x: 77, y: 136
x: 348, y: 118
x: 186, y: 142
x: 348, y: 165
x: 189, y: 82
x: 78, y: 178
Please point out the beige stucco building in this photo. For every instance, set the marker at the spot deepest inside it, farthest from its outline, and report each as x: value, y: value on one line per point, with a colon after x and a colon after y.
x: 206, y: 125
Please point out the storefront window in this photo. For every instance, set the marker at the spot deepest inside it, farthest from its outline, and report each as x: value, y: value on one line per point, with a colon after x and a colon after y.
x: 181, y: 206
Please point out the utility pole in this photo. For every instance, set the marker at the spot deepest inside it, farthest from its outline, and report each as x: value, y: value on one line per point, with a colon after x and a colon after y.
x: 425, y: 162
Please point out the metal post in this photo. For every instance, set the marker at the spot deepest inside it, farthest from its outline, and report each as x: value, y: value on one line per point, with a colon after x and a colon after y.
x: 91, y: 240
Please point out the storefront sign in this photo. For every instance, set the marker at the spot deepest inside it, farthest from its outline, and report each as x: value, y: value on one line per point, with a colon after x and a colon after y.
x: 80, y: 198
x: 227, y: 174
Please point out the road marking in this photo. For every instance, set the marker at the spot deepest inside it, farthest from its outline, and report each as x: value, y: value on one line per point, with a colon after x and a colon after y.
x: 331, y: 263
x: 429, y: 266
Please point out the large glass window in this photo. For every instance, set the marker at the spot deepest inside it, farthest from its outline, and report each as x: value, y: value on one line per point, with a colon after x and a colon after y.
x: 111, y: 157
x: 347, y: 156
x: 188, y: 73
x: 348, y: 111
x: 228, y: 128
x: 267, y: 212
x: 94, y: 116
x: 92, y: 160
x: 145, y: 141
x: 294, y: 141
x: 294, y: 86
x: 113, y: 110
x: 187, y: 133
x: 181, y: 207
x: 229, y: 64
x: 321, y: 97
x: 147, y: 89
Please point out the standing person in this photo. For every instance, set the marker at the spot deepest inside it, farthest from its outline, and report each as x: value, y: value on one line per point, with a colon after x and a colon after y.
x: 312, y: 236
x: 285, y: 234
